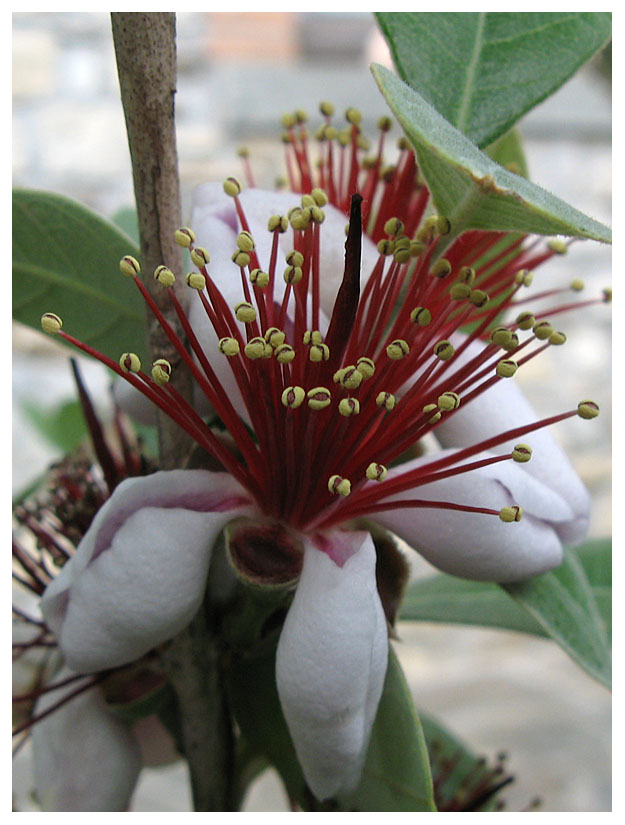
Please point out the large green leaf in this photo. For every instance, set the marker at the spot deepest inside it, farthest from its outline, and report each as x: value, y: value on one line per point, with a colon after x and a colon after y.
x: 572, y: 605
x: 396, y: 775
x: 483, y: 70
x: 467, y: 186
x: 66, y: 260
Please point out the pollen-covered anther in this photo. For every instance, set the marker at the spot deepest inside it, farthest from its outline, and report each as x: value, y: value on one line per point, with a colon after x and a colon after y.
x: 386, y: 246
x: 299, y: 218
x: 241, y: 259
x: 326, y: 108
x: 229, y: 346
x: 394, y: 227
x: 522, y: 453
x: 460, y: 292
x: 319, y: 196
x: 293, y: 397
x: 397, y: 349
x: 376, y: 472
x: 130, y: 362
x: 525, y: 320
x: 543, y: 330
x: 478, y: 298
x: 588, y: 409
x: 607, y: 295
x: 319, y: 398
x: 433, y: 408
x: 164, y: 276
x: 257, y: 348
x: 195, y: 280
x: 339, y: 486
x: 416, y: 248
x: 278, y: 223
x: 557, y: 246
x: 366, y: 367
x: 51, y: 323
x: 129, y: 266
x: 500, y: 336
x: 318, y: 353
x: 512, y: 344
x: 444, y: 350
x: 284, y: 353
x: 184, y: 236
x: 293, y: 274
x: 386, y: 400
x: 507, y: 368
x: 441, y: 269
x: 349, y: 406
x: 312, y: 336
x: 161, y: 371
x: 510, y: 514
x: 523, y: 277
x: 245, y: 312
x: 466, y: 275
x: 245, y: 242
x: 350, y: 377
x: 449, y: 401
x: 385, y: 124
x: 353, y: 116
x: 259, y: 278
x: 421, y: 316
x: 274, y: 336
x: 557, y: 339
x: 232, y: 187
x: 200, y: 256
x: 577, y: 285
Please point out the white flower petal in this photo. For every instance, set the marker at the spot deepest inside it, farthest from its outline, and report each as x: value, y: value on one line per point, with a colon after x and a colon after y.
x: 85, y: 758
x: 504, y: 407
x: 475, y: 545
x: 139, y: 574
x: 331, y: 663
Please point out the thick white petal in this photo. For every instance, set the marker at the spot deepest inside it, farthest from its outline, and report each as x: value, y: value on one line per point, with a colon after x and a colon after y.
x: 504, y: 407
x: 478, y: 546
x: 331, y: 663
x: 139, y: 574
x: 85, y: 758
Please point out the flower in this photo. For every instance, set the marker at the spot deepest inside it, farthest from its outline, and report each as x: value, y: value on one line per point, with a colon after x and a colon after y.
x: 326, y: 373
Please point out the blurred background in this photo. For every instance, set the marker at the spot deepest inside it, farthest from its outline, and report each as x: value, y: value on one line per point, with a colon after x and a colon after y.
x: 238, y: 73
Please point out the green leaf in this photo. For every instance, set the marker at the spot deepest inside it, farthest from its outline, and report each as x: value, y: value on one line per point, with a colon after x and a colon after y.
x: 64, y: 426
x: 66, y: 260
x: 483, y: 70
x: 572, y: 605
x: 128, y: 221
x: 469, y: 188
x: 396, y: 774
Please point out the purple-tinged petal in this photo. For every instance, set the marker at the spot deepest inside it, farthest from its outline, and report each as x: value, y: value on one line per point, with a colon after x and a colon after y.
x: 475, y: 545
x: 85, y: 758
x: 139, y: 574
x: 331, y: 663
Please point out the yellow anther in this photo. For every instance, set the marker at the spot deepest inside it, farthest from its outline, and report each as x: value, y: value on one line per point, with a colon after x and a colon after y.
x: 441, y: 269
x: 587, y: 409
x: 386, y: 247
x: 245, y: 312
x: 318, y: 398
x: 245, y: 242
x: 510, y: 514
x: 161, y: 371
x: 522, y: 453
x: 507, y: 368
x: 319, y: 196
x: 51, y: 323
x: 607, y: 295
x: 444, y: 350
x: 385, y: 124
x: 184, y: 236
x: 243, y: 152
x: 229, y: 346
x: 259, y: 278
x: 512, y: 344
x: 257, y: 348
x: 318, y: 353
x: 284, y: 353
x: 403, y: 143
x: 557, y: 246
x: 353, y: 116
x: 293, y: 274
x: 241, y: 259
x: 164, y: 276
x: 386, y: 400
x: 387, y: 173
x: 306, y: 201
x: 416, y: 248
x: 460, y: 292
x: 200, y: 256
x: 376, y: 472
x: 525, y: 320
x: 466, y: 275
x: 129, y: 266
x: 274, y: 336
x: 449, y: 401
x: 501, y: 336
x: 326, y: 109
x: 195, y: 280
x: 478, y: 298
x: 317, y: 215
x: 349, y: 406
x: 577, y: 285
x: 301, y: 116
x: 432, y: 408
x: 339, y: 486
x: 288, y: 120
x: 130, y: 362
x: 524, y: 277
x: 232, y: 187
x: 293, y: 397
x: 295, y: 258
x: 299, y: 218
x: 278, y: 222
x: 397, y: 349
x: 557, y: 339
x: 366, y: 367
x: 542, y: 330
x: 331, y: 132
x: 443, y: 225
x: 312, y: 336
x: 394, y: 227
x: 402, y: 255
x: 420, y: 316
x: 350, y: 378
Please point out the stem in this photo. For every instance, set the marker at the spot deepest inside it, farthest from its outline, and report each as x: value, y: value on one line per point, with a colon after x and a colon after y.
x: 145, y: 50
